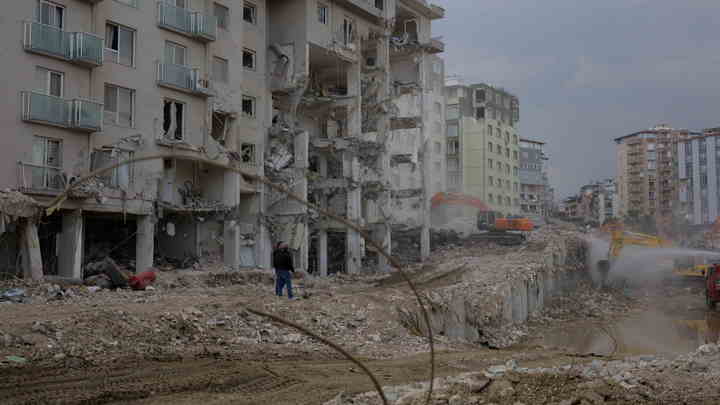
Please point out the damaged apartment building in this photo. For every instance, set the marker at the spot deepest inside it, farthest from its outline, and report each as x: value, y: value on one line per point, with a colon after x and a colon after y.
x: 337, y: 100
x: 356, y: 104
x: 96, y: 82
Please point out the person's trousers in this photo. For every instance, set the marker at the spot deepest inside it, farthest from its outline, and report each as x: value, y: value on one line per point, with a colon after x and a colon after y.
x: 283, y: 278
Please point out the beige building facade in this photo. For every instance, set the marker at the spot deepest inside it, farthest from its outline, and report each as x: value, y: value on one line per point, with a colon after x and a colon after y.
x: 483, y: 145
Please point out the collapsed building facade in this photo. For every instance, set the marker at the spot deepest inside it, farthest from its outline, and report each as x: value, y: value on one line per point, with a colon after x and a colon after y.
x: 355, y: 86
x: 331, y: 99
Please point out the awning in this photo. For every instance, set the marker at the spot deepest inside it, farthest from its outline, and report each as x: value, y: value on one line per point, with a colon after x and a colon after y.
x: 458, y: 199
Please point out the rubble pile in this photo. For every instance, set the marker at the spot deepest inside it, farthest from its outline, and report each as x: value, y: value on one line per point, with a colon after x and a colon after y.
x: 475, y: 294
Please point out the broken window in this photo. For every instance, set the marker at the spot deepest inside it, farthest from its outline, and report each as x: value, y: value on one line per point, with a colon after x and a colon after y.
x: 479, y: 95
x: 348, y: 30
x: 46, y: 168
x: 248, y: 59
x: 491, y: 199
x: 173, y: 119
x: 119, y: 105
x: 247, y: 153
x: 248, y: 106
x: 490, y: 147
x: 507, y: 153
x: 490, y: 163
x: 119, y: 177
x: 221, y: 70
x: 323, y: 16
x: 220, y: 126
x: 491, y: 180
x: 380, y: 4
x: 411, y: 29
x: 120, y: 44
x: 453, y: 147
x: 250, y: 13
x: 480, y: 113
x: 489, y: 130
x: 222, y: 14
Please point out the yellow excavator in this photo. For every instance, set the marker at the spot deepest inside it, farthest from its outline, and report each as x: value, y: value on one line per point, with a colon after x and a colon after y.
x: 621, y: 238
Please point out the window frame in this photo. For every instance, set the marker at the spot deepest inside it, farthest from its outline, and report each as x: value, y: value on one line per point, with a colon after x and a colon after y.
x: 226, y: 73
x: 48, y: 73
x: 253, y: 100
x: 253, y: 14
x: 183, y: 127
x: 44, y: 166
x: 323, y: 15
x: 174, y: 46
x: 254, y: 59
x: 116, y: 121
x: 114, y: 174
x: 253, y: 153
x: 116, y: 52
x: 224, y: 18
x: 56, y: 6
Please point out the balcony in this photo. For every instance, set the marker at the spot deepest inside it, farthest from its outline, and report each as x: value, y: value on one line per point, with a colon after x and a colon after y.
x: 81, y: 48
x: 369, y: 8
x: 436, y: 45
x: 192, y: 24
x: 36, y: 178
x: 92, y: 1
x: 183, y: 78
x: 77, y: 114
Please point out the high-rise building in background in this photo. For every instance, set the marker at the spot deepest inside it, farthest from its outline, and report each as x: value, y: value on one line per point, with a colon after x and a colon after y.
x: 483, y: 144
x: 699, y: 175
x: 647, y: 173
x: 534, y: 183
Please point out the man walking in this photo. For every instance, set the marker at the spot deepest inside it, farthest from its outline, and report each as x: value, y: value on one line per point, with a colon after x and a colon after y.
x: 283, y: 264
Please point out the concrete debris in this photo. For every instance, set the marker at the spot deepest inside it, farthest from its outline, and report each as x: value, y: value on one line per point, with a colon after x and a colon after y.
x: 13, y: 295
x: 16, y: 204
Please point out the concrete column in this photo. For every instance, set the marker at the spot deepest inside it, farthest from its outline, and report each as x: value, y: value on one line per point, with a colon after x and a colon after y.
x: 353, y: 254
x: 144, y: 243
x: 31, y: 257
x: 71, y: 246
x: 322, y: 233
x: 351, y: 169
x: 301, y: 151
x: 231, y: 234
x: 385, y: 235
x: 323, y: 252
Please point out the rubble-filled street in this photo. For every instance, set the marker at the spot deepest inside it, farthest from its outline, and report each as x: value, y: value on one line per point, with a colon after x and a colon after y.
x: 187, y: 338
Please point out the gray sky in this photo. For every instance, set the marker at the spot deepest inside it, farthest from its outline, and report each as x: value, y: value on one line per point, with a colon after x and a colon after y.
x: 589, y: 71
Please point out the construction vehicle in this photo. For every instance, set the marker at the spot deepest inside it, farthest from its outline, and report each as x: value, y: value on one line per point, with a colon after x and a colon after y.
x: 508, y: 231
x: 622, y: 238
x: 692, y: 266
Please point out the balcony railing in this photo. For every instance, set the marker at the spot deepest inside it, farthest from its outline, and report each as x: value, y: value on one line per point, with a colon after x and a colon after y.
x: 182, y: 78
x: 39, y: 178
x: 78, y: 114
x: 78, y: 47
x: 190, y: 23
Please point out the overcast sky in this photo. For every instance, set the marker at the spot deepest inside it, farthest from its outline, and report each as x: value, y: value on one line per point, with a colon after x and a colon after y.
x: 589, y: 71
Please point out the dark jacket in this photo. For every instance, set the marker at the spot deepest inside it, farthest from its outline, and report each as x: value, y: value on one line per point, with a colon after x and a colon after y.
x: 282, y: 260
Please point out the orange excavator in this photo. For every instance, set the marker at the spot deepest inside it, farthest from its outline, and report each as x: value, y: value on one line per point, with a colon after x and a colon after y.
x: 508, y: 231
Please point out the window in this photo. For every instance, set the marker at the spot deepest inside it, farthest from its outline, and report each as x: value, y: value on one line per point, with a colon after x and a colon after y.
x: 453, y: 165
x: 222, y: 14
x: 491, y: 180
x: 248, y: 106
x: 49, y: 82
x: 119, y: 177
x: 248, y: 59
x: 174, y: 119
x: 491, y: 112
x: 515, y: 139
x: 323, y: 15
x: 175, y: 54
x: 438, y: 147
x: 348, y: 30
x: 221, y: 70
x: 515, y: 170
x: 51, y: 14
x: 247, y: 153
x: 479, y: 95
x: 452, y: 147
x: 119, y: 106
x: 515, y: 155
x: 507, y: 138
x: 490, y: 163
x: 453, y: 112
x: 507, y: 201
x: 47, y: 163
x: 491, y: 199
x: 380, y: 4
x: 507, y: 153
x: 119, y: 44
x: 438, y: 108
x: 454, y: 179
x: 489, y: 130
x: 507, y: 168
x: 249, y: 13
x: 479, y: 113
x: 452, y: 130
